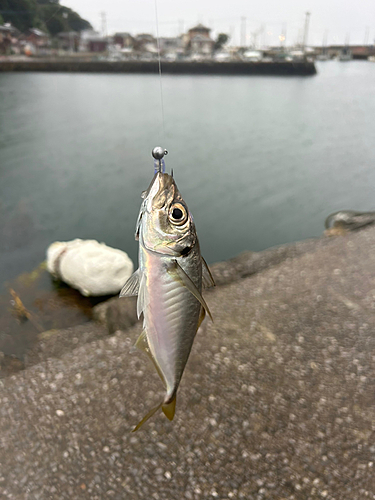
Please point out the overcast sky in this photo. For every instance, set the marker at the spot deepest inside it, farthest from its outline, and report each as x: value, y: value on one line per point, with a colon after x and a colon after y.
x: 340, y: 18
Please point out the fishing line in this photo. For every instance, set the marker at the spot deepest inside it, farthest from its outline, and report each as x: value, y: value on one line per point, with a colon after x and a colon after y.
x: 159, y: 59
x: 54, y: 14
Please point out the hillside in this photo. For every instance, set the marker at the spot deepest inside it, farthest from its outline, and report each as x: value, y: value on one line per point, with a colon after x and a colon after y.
x: 47, y: 15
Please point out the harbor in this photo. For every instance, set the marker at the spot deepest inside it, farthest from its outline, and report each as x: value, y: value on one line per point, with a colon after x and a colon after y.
x: 260, y: 125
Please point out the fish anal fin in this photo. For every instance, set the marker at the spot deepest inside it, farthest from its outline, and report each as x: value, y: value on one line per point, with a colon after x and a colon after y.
x: 131, y: 287
x: 146, y: 417
x: 169, y: 409
x: 202, y: 315
x: 207, y: 278
x: 142, y: 345
x: 180, y: 275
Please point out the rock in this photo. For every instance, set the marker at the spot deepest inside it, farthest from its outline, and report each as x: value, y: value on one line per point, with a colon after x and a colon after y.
x: 91, y: 267
x: 349, y: 220
x: 116, y: 314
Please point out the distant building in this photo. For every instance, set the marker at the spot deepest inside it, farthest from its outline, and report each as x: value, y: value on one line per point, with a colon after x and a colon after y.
x: 69, y: 41
x: 124, y: 40
x: 171, y: 47
x: 199, y: 30
x: 198, y: 41
x: 144, y: 40
x: 201, y: 45
x: 35, y: 42
x: 38, y: 38
x: 145, y: 45
x: 92, y: 41
x: 8, y: 38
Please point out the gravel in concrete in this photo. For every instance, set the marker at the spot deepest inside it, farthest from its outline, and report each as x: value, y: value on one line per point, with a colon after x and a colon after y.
x: 277, y: 400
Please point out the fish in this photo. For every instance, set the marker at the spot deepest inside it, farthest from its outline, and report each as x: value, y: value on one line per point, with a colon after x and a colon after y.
x: 168, y: 283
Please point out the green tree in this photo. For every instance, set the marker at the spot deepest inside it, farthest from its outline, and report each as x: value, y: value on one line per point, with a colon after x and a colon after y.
x: 221, y: 40
x: 46, y: 15
x: 20, y: 13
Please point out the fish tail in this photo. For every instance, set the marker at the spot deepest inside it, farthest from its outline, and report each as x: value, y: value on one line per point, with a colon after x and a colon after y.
x: 149, y: 415
x: 167, y: 408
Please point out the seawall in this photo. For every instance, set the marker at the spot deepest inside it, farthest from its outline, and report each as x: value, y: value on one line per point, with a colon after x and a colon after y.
x: 283, y: 68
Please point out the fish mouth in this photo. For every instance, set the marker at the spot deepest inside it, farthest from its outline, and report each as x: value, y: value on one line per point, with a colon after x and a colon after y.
x: 161, y: 190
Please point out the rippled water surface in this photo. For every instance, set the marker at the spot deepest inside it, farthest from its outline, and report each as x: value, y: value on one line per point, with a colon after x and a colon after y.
x: 260, y: 160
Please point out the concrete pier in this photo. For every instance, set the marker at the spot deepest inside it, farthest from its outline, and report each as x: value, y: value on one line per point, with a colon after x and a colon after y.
x: 283, y: 68
x: 277, y: 399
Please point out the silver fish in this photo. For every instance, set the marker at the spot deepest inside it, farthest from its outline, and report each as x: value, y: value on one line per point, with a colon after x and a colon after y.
x: 168, y: 283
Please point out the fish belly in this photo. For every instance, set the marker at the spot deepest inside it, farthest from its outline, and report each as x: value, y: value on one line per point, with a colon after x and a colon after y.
x: 171, y: 317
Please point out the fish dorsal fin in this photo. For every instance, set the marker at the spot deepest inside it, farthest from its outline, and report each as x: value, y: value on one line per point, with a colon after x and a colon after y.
x: 207, y: 278
x: 131, y: 287
x: 139, y: 219
x: 176, y: 271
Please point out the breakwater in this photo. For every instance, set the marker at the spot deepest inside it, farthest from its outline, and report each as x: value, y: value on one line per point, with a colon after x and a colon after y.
x: 284, y: 68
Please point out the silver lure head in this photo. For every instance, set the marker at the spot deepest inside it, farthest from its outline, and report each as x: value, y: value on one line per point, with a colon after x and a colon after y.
x: 165, y: 224
x: 158, y: 153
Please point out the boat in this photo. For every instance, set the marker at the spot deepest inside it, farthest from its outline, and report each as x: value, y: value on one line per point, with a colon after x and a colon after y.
x: 323, y: 56
x: 345, y: 55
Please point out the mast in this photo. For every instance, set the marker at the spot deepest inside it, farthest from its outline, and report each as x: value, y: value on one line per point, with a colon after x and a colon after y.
x: 306, y: 31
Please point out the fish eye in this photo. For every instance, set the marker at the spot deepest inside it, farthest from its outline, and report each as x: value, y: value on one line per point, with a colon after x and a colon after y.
x: 178, y: 214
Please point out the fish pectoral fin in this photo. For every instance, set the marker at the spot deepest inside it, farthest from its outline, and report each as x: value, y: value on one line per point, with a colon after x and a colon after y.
x: 176, y: 271
x: 131, y: 287
x: 142, y: 301
x: 208, y: 280
x: 169, y: 409
x: 146, y: 417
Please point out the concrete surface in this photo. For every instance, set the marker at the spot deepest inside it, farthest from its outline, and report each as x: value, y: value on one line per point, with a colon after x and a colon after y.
x: 277, y: 400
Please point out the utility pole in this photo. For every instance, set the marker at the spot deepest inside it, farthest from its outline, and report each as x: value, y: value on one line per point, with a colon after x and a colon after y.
x: 263, y: 36
x: 243, y: 31
x: 231, y: 34
x: 367, y: 34
x: 306, y: 31
x: 284, y: 33
x: 103, y: 17
x: 180, y: 27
